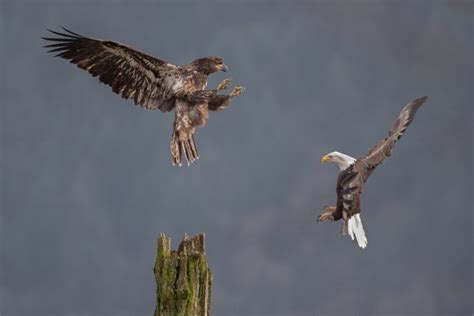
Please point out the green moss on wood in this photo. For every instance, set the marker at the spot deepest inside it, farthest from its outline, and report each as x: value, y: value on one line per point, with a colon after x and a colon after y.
x: 183, y: 278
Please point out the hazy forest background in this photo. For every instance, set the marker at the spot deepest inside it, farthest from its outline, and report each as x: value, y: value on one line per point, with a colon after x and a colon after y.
x: 87, y: 183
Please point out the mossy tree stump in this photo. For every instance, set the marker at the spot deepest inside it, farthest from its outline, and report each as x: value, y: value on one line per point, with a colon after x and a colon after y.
x: 183, y: 278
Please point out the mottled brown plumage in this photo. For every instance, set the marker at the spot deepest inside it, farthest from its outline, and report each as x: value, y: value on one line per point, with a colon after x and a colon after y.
x: 152, y: 83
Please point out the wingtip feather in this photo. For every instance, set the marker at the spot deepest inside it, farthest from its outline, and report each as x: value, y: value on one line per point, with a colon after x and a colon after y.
x: 420, y: 101
x: 70, y: 36
x: 71, y: 32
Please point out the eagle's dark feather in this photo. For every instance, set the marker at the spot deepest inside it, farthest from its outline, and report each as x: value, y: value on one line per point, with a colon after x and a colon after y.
x: 351, y: 181
x: 151, y: 82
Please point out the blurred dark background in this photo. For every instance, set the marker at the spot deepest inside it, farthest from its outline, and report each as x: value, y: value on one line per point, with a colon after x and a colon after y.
x: 87, y: 182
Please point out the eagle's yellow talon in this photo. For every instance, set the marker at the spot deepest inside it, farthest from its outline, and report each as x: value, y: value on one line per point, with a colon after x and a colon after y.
x: 224, y: 84
x: 236, y: 91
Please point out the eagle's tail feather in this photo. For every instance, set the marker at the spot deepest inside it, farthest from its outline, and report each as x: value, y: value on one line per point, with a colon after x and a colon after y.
x: 185, y: 147
x: 193, y: 147
x: 356, y: 229
x: 175, y: 150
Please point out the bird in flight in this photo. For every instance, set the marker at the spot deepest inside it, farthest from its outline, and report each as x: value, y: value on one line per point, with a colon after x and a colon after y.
x: 152, y: 83
x: 355, y: 172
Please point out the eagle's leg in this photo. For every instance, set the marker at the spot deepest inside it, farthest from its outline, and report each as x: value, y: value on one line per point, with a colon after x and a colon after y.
x: 220, y: 102
x: 327, y: 214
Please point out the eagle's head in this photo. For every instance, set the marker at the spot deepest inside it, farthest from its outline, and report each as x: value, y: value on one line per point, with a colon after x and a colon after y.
x: 342, y: 160
x: 209, y: 65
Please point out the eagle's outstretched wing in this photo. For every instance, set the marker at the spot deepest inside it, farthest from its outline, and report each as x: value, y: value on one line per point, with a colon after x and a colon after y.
x: 351, y: 180
x: 151, y: 82
x: 384, y: 148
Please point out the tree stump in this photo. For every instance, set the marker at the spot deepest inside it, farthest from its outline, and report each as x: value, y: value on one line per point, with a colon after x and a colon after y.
x: 183, y: 278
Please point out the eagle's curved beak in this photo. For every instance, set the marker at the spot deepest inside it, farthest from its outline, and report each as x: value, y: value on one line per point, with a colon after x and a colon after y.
x: 223, y: 67
x: 325, y: 158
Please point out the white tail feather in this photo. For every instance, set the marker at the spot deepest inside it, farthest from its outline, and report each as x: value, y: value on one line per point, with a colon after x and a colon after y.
x: 355, y: 227
x: 350, y: 229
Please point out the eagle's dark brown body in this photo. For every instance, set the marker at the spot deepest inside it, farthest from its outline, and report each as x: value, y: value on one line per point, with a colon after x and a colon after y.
x: 152, y: 83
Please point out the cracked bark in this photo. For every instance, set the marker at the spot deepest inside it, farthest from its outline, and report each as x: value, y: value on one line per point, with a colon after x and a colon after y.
x: 183, y: 278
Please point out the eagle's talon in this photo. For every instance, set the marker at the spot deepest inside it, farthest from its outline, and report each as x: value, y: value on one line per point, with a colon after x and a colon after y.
x: 325, y: 217
x: 224, y: 84
x: 236, y: 91
x: 327, y: 214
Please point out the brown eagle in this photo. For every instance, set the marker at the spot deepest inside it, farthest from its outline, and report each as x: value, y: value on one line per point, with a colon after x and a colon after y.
x: 152, y: 83
x: 355, y: 172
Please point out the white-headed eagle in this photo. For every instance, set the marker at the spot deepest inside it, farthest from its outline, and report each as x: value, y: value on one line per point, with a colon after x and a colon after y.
x: 355, y: 172
x: 152, y: 83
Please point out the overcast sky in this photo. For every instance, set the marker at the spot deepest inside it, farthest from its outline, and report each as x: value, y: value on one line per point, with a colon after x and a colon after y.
x: 87, y: 183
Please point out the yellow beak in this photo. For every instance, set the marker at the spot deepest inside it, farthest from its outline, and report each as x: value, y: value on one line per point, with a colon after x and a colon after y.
x: 325, y: 158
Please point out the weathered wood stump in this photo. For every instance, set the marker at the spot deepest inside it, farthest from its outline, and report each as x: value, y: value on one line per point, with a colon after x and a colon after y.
x: 183, y: 278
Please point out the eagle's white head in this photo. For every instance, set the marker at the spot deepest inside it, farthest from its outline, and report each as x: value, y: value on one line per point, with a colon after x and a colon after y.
x: 342, y: 160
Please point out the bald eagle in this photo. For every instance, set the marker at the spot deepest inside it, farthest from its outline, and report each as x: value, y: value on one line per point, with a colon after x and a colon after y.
x: 355, y: 172
x: 152, y: 83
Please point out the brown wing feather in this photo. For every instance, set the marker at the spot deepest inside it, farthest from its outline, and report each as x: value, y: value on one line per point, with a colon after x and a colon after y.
x: 151, y: 82
x: 351, y: 181
x: 384, y: 148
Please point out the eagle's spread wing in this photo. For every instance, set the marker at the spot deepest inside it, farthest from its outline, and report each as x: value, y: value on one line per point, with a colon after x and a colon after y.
x: 384, y: 148
x: 351, y: 180
x: 151, y: 82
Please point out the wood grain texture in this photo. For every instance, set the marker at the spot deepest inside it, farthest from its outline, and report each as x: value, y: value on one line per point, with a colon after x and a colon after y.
x: 183, y: 278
